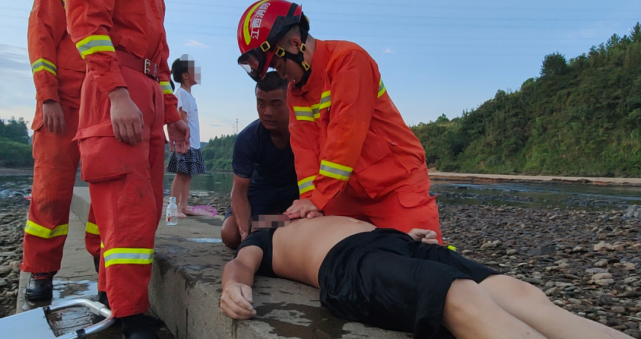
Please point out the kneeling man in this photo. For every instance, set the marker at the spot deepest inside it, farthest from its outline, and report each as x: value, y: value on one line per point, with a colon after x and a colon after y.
x: 263, y: 163
x: 397, y: 281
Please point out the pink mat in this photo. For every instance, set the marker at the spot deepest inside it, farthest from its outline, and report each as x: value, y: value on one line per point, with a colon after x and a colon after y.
x: 206, y: 208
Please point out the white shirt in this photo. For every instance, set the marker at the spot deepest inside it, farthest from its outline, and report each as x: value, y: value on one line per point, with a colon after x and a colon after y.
x: 188, y: 104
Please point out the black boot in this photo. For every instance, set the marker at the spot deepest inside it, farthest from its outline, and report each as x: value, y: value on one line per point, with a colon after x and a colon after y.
x: 136, y: 327
x: 40, y: 286
x: 102, y: 298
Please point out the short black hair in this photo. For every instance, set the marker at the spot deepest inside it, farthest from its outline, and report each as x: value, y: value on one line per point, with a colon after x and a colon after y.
x: 179, y: 67
x: 272, y: 81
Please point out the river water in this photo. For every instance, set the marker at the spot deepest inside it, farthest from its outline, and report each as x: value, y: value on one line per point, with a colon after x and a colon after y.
x: 536, y: 195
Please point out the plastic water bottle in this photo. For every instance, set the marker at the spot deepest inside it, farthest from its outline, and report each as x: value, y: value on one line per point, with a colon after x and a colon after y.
x: 172, y: 212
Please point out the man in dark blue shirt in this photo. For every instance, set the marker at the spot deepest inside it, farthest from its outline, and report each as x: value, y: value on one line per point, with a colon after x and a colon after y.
x: 263, y: 163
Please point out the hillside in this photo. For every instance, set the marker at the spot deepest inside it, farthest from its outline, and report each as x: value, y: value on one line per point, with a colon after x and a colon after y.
x: 580, y: 117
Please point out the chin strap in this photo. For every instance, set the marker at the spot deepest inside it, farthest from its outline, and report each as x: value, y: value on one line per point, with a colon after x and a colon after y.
x: 298, y: 58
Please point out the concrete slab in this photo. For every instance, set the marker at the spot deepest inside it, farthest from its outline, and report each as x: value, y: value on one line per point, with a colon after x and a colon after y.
x: 185, y: 290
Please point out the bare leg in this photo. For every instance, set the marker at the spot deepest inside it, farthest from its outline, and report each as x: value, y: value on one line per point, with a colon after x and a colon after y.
x: 531, y: 305
x: 230, y: 233
x: 183, y: 207
x: 470, y: 312
x: 177, y: 188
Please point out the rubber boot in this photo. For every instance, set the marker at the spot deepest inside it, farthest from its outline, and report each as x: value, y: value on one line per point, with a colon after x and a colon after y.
x: 40, y: 286
x: 136, y: 327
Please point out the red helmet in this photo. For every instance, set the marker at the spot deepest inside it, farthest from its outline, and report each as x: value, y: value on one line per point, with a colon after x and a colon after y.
x: 260, y: 29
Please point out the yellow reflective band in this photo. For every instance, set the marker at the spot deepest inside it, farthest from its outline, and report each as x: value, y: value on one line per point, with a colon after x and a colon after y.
x: 92, y: 228
x: 64, y: 4
x: 43, y: 232
x: 93, y: 44
x: 166, y: 87
x: 306, y: 184
x: 304, y: 113
x: 316, y: 111
x: 336, y: 171
x: 451, y: 247
x: 381, y: 88
x: 246, y: 33
x: 135, y: 256
x: 44, y: 65
x: 102, y: 245
x: 326, y: 100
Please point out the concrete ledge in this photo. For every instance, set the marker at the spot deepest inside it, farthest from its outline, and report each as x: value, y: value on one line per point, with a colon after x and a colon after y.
x: 185, y: 290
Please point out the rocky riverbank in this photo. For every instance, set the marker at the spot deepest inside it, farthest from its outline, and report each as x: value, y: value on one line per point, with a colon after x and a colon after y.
x: 12, y: 220
x: 586, y: 262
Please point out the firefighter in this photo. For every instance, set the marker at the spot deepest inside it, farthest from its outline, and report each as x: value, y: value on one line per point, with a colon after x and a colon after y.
x: 58, y: 72
x: 355, y: 156
x: 126, y: 100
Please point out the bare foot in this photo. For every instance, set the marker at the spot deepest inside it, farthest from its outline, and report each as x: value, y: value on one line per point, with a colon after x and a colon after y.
x: 181, y: 215
x: 195, y: 212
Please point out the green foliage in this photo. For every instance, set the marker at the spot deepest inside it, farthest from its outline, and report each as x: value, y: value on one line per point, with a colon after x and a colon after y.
x: 580, y: 117
x: 14, y: 138
x: 218, y: 153
x: 14, y: 130
x: 15, y: 154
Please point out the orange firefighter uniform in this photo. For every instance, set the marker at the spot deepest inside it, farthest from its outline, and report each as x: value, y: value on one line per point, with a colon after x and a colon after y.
x: 355, y: 156
x: 123, y: 51
x: 58, y: 72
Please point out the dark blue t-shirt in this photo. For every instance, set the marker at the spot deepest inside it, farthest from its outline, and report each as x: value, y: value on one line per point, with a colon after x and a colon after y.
x: 256, y: 157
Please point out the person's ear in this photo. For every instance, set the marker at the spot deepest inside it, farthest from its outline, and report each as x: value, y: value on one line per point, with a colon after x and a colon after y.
x: 295, y: 42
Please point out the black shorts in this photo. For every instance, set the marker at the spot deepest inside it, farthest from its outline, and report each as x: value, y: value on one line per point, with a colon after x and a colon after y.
x: 269, y: 200
x: 386, y: 279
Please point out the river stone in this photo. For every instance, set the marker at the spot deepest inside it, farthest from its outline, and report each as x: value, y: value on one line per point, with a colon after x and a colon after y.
x: 602, y: 276
x: 633, y: 211
x: 601, y: 263
x: 604, y: 282
x: 595, y: 270
x: 618, y: 309
x: 603, y: 246
x: 3, y: 282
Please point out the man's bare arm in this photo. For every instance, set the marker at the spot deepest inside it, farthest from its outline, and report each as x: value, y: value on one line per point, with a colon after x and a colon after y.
x: 240, y: 205
x: 238, y: 278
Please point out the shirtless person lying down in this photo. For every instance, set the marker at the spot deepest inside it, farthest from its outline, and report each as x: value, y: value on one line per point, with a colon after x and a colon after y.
x: 399, y: 282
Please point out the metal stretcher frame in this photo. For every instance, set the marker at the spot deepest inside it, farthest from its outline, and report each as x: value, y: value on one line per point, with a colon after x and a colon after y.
x: 34, y: 324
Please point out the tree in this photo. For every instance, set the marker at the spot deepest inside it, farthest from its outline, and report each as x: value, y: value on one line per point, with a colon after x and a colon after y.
x: 554, y: 64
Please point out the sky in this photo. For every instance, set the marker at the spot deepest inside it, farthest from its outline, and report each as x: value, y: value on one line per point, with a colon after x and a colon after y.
x: 435, y: 57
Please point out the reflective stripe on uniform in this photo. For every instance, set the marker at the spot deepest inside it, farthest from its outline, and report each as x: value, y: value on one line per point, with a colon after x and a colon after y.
x: 44, y: 65
x: 306, y: 184
x: 304, y: 113
x: 326, y: 100
x: 166, y: 87
x: 132, y: 256
x: 92, y: 228
x: 381, y: 88
x: 312, y: 113
x: 333, y: 170
x: 93, y: 44
x: 102, y: 245
x: 43, y: 232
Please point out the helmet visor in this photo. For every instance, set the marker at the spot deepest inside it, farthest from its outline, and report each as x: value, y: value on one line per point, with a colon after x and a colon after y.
x: 254, y: 62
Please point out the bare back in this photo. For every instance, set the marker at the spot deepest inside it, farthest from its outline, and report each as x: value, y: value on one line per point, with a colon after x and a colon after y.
x: 300, y: 248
